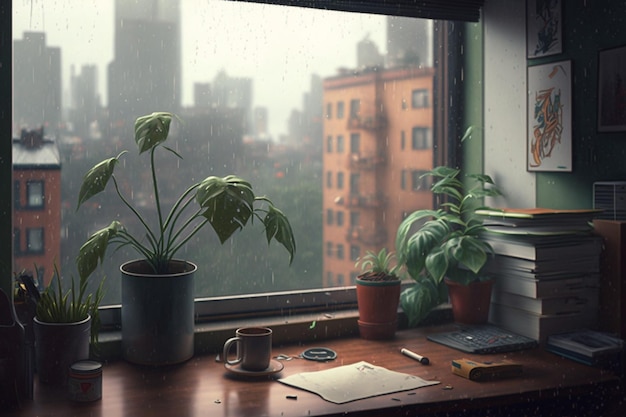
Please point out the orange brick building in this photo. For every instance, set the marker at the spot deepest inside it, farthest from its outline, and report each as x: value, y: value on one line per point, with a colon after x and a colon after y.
x: 36, y: 205
x: 378, y: 141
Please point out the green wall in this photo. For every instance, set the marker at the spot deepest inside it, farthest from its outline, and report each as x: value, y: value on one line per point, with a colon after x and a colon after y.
x: 596, y: 156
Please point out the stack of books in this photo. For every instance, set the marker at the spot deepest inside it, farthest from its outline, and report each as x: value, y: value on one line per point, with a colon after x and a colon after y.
x: 546, y: 269
x: 589, y: 347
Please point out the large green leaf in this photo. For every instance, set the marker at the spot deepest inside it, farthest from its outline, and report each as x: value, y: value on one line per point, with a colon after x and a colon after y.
x: 94, y: 249
x: 418, y: 300
x: 151, y: 130
x: 227, y: 203
x: 96, y: 179
x: 277, y: 226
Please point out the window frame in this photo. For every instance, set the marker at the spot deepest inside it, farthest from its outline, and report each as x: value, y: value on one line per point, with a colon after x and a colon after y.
x: 278, y: 303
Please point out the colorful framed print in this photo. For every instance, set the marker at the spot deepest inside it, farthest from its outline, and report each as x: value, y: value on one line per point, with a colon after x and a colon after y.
x: 544, y: 33
x: 612, y: 90
x: 549, y: 130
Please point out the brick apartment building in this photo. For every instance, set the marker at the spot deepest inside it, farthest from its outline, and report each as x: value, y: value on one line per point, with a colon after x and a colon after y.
x: 36, y: 205
x: 377, y: 142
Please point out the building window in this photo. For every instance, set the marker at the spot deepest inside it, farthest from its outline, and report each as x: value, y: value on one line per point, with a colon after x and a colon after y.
x: 355, y: 143
x: 340, y: 218
x: 329, y: 179
x: 329, y: 144
x: 355, y: 252
x: 340, y: 280
x: 34, y: 194
x: 329, y: 249
x: 403, y: 175
x: 402, y: 140
x: 340, y: 180
x: 340, y: 250
x: 355, y: 178
x: 355, y: 217
x: 419, y: 99
x: 419, y: 181
x: 34, y: 240
x: 355, y: 108
x: 340, y: 144
x: 340, y: 110
x: 16, y: 195
x: 329, y: 110
x: 329, y: 217
x: 17, y: 241
x: 420, y: 138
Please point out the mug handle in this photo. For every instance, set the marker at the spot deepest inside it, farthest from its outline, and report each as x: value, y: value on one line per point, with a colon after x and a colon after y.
x: 227, y: 347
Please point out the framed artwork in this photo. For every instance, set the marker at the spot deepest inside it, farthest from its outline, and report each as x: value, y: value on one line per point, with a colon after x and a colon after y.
x: 612, y: 90
x: 549, y: 130
x: 544, y: 34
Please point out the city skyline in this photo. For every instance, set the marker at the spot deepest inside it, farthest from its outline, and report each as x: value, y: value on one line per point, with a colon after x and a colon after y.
x: 84, y: 32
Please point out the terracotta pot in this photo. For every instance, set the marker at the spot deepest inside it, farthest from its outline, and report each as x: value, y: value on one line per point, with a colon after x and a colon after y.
x: 378, y: 308
x: 470, y: 303
x: 157, y: 313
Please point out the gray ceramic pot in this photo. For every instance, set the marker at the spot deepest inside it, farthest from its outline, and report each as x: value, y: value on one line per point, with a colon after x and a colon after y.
x: 157, y: 313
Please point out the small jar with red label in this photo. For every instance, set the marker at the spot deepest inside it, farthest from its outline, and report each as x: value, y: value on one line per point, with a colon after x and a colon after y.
x: 85, y: 381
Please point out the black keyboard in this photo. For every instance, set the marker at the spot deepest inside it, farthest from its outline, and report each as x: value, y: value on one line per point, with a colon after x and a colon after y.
x: 483, y: 339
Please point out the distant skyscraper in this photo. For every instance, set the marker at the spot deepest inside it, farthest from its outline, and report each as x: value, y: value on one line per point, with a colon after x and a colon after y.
x: 145, y: 74
x: 367, y: 54
x: 85, y: 103
x: 37, y: 83
x: 409, y: 41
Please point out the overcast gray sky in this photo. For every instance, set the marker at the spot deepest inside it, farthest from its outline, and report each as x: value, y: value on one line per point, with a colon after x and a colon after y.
x: 279, y: 47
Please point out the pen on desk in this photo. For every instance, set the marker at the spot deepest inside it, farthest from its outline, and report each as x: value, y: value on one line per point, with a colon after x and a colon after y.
x: 421, y: 359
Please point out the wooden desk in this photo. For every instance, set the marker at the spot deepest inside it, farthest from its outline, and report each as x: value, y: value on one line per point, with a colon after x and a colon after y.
x: 202, y: 387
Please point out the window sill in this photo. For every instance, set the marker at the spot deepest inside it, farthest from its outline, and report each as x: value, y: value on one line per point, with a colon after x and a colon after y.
x: 292, y: 329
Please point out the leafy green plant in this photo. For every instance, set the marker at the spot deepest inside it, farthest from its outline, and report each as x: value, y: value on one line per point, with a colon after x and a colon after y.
x: 227, y: 204
x: 54, y: 305
x: 377, y: 266
x: 445, y: 242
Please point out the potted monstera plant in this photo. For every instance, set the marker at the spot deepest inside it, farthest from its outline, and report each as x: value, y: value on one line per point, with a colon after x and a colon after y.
x: 157, y: 288
x: 443, y: 249
x: 378, y: 295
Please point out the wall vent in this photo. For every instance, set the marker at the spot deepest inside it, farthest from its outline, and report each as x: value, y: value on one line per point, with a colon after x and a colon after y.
x: 611, y: 197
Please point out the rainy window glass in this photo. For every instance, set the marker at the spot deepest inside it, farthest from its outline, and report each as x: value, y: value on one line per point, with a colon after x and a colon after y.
x: 307, y: 105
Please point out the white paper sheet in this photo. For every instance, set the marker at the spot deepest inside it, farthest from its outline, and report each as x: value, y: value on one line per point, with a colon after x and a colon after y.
x: 354, y: 382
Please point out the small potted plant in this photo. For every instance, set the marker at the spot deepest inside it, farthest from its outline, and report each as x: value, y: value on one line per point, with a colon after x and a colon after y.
x: 445, y: 246
x: 378, y: 295
x: 66, y: 322
x: 157, y: 288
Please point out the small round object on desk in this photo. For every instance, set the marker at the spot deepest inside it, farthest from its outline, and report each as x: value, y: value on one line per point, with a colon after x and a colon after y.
x: 319, y: 354
x: 85, y: 381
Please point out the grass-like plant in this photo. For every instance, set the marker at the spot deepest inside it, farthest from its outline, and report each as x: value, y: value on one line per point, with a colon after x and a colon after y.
x: 227, y: 204
x: 378, y: 266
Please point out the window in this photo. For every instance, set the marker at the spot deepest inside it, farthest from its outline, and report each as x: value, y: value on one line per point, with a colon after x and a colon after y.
x: 340, y: 144
x: 329, y: 217
x: 419, y: 99
x: 355, y: 252
x: 340, y: 218
x: 34, y: 240
x: 355, y: 108
x: 340, y: 251
x: 340, y: 110
x: 402, y: 140
x: 93, y: 124
x: 419, y: 182
x: 355, y: 143
x: 421, y: 138
x: 403, y: 175
x: 34, y: 193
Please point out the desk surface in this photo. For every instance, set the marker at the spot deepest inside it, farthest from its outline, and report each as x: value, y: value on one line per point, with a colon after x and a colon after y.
x: 202, y: 387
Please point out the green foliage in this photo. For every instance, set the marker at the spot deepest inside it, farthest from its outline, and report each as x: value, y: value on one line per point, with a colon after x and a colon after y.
x: 58, y: 306
x: 445, y: 242
x: 227, y: 204
x: 378, y: 265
